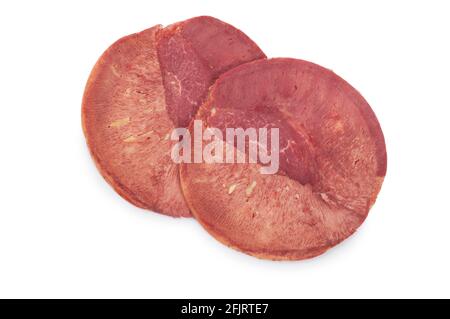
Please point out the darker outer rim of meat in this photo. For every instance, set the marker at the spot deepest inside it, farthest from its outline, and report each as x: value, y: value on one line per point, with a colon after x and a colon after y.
x: 364, y: 108
x: 285, y: 255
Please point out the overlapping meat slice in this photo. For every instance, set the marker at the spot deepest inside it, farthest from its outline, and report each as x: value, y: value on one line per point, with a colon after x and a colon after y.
x: 332, y: 161
x: 136, y: 95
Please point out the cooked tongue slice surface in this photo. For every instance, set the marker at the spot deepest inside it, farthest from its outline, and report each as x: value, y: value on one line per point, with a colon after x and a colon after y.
x: 332, y: 161
x: 129, y: 107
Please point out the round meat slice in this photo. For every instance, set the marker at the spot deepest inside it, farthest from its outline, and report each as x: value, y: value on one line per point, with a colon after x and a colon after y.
x: 332, y: 160
x: 135, y: 95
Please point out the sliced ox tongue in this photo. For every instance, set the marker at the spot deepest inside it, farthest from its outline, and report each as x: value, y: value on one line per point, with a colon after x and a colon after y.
x: 332, y: 158
x: 331, y: 167
x: 144, y: 86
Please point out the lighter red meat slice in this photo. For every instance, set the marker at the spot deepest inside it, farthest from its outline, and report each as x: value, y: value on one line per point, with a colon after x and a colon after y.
x: 127, y: 126
x: 332, y: 161
x: 127, y: 119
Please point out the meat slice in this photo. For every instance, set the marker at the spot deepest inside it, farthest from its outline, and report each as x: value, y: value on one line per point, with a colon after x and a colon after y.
x: 332, y: 161
x: 130, y: 106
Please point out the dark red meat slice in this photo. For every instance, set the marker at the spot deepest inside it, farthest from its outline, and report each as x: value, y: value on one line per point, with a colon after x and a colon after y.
x: 332, y: 161
x: 192, y: 54
x: 131, y: 106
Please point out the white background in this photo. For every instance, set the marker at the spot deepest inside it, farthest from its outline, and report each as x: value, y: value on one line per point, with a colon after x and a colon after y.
x: 65, y: 233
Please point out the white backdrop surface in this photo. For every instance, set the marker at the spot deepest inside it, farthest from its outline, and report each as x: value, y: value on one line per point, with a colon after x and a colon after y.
x: 65, y: 233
